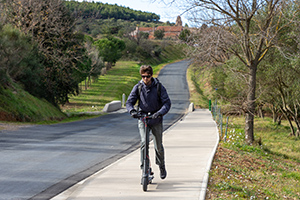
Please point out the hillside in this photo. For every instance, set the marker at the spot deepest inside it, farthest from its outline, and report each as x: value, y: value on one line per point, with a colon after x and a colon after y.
x: 47, y: 72
x: 100, y: 10
x: 96, y: 18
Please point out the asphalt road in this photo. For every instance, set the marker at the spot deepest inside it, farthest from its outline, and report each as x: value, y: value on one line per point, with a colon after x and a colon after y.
x: 39, y: 162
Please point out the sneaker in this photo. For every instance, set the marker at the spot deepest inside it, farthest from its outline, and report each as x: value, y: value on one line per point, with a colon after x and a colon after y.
x: 151, y: 172
x: 163, y: 172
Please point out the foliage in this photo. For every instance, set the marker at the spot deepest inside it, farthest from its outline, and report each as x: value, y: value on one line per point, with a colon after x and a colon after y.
x: 129, y: 52
x: 185, y: 35
x: 95, y: 63
x: 277, y: 87
x: 110, y: 48
x: 144, y: 51
x: 50, y: 24
x: 284, y: 93
x: 246, y: 31
x: 14, y: 47
x: 117, y: 27
x: 157, y: 50
x: 143, y: 35
x: 118, y: 80
x: 159, y: 34
x: 106, y: 11
x: 31, y: 78
x: 229, y: 84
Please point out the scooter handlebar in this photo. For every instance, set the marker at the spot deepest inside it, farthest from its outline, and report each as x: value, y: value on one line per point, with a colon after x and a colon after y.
x: 144, y: 115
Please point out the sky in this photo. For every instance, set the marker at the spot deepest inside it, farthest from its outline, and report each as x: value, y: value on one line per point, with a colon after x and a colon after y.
x: 166, y: 12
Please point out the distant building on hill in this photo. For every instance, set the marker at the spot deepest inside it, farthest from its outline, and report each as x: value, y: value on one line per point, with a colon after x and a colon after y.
x: 170, y: 31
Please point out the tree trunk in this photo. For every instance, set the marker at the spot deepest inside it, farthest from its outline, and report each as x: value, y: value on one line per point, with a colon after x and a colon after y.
x: 274, y: 113
x: 286, y: 115
x: 293, y: 133
x: 260, y: 111
x: 249, y: 126
x: 279, y: 120
x: 297, y: 125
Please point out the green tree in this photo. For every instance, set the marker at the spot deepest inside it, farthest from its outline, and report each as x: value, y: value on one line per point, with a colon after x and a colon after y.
x: 14, y: 47
x: 159, y: 34
x: 143, y: 35
x: 51, y: 25
x: 33, y: 74
x: 100, y: 10
x: 185, y: 35
x: 95, y: 61
x: 279, y: 82
x: 110, y: 49
x: 130, y: 49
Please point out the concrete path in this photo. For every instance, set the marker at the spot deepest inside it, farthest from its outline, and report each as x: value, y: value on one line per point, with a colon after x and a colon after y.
x: 189, y: 146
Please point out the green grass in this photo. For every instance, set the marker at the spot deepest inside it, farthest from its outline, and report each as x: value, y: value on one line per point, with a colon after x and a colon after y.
x: 18, y: 105
x: 200, y: 90
x: 267, y: 171
x: 107, y: 88
x: 270, y: 169
x: 119, y: 80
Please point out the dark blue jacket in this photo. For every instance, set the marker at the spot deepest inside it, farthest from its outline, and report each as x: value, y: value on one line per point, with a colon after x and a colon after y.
x: 149, y: 99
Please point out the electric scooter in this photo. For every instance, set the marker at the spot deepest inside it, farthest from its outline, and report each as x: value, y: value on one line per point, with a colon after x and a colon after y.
x: 147, y: 174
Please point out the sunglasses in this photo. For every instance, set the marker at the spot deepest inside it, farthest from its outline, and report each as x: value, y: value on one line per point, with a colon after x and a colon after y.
x: 148, y: 76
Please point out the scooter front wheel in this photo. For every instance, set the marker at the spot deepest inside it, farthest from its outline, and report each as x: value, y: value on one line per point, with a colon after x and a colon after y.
x: 145, y: 182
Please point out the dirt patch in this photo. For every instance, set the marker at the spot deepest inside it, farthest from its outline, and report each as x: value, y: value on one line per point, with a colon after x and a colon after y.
x: 7, y: 117
x: 12, y: 126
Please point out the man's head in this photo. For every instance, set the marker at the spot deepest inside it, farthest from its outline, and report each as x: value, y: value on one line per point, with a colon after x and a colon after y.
x: 146, y: 72
x: 146, y: 69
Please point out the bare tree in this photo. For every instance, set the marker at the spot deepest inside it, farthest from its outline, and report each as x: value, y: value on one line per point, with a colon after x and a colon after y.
x: 241, y: 28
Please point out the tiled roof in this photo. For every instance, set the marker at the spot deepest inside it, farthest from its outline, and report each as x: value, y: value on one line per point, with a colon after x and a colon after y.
x: 146, y: 29
x: 170, y: 31
x: 170, y: 28
x: 166, y: 28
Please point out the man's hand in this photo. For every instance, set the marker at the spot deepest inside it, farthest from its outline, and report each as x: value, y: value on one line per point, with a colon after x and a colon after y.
x: 133, y: 113
x: 156, y: 115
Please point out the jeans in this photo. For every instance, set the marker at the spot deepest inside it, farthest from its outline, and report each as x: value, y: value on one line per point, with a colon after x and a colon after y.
x: 157, y: 130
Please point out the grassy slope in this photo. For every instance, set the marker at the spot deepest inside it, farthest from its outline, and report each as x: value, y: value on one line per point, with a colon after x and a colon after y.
x: 18, y: 105
x: 268, y: 170
x: 200, y: 92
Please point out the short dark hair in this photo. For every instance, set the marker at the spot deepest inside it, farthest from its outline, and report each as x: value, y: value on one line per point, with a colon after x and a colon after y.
x: 146, y: 69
